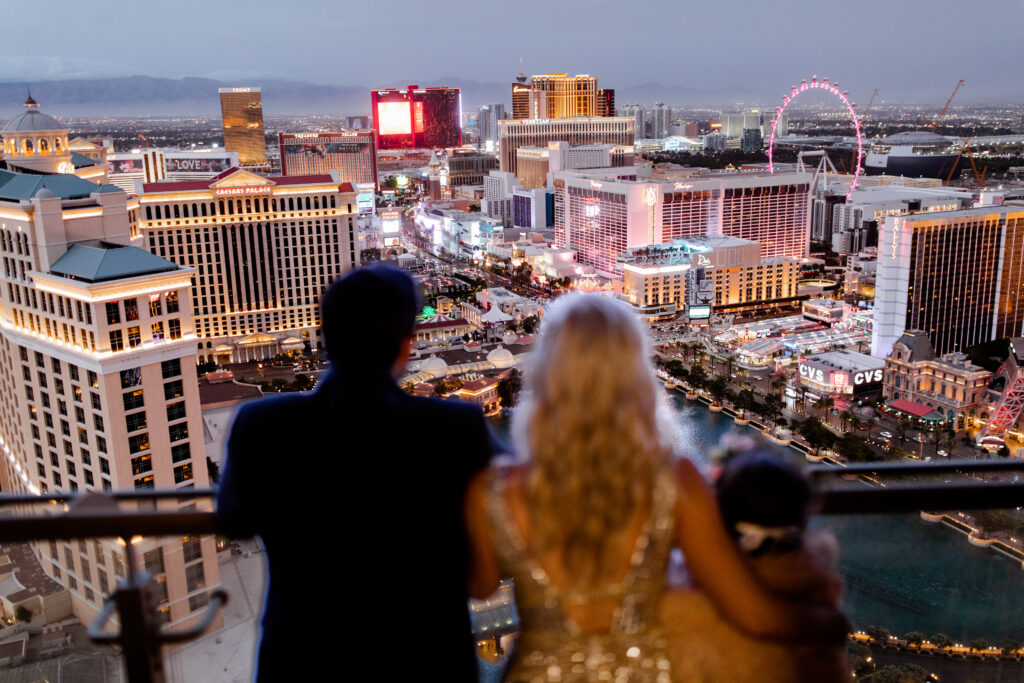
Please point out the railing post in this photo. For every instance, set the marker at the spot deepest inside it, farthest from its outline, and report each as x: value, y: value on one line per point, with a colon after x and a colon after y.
x: 139, y: 638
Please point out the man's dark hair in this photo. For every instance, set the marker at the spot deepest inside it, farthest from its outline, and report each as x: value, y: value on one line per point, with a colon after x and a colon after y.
x: 366, y: 315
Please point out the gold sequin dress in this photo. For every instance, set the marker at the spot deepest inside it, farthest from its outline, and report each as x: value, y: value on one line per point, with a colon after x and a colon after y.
x: 551, y: 648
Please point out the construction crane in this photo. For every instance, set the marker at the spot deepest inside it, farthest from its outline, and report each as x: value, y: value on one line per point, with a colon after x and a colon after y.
x: 864, y: 114
x: 943, y: 112
x: 978, y: 176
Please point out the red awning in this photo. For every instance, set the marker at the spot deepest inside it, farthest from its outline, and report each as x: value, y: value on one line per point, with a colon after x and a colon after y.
x: 912, y: 408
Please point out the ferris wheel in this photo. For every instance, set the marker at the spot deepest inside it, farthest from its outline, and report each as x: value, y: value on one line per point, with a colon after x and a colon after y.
x: 844, y: 97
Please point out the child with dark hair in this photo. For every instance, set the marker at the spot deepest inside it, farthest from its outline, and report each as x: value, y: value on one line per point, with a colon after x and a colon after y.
x: 765, y: 503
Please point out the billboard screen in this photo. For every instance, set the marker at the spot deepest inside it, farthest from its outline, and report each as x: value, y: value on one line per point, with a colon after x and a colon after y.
x: 393, y: 118
x: 365, y: 198
x: 124, y: 166
x: 197, y: 164
x: 364, y: 202
x: 699, y: 312
x: 319, y: 149
x: 390, y: 221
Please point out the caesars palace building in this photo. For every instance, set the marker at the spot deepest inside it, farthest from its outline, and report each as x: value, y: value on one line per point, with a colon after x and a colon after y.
x: 264, y: 249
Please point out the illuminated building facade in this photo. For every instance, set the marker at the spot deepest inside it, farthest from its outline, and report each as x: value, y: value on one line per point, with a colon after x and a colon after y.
x: 605, y: 103
x: 353, y: 154
x: 521, y: 99
x: 36, y: 142
x: 264, y: 250
x: 951, y: 384
x: 602, y: 213
x: 534, y: 163
x: 559, y: 96
x: 241, y: 111
x: 840, y: 373
x: 581, y: 130
x: 466, y: 167
x: 417, y: 117
x: 127, y: 169
x: 98, y: 387
x: 958, y: 276
x: 655, y: 276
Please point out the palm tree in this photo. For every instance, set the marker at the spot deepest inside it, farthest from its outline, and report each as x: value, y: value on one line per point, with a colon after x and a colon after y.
x: 772, y: 408
x: 826, y: 407
x: 718, y: 389
x: 845, y: 416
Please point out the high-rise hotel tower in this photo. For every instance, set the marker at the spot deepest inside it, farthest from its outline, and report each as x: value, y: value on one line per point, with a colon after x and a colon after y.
x: 264, y: 249
x: 558, y: 96
x: 241, y: 111
x: 957, y: 275
x: 98, y: 387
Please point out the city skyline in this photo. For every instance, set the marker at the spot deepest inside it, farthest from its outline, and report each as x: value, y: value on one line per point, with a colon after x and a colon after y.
x: 799, y: 39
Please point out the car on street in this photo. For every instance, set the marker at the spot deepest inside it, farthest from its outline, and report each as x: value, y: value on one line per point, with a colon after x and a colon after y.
x: 885, y: 435
x: 942, y: 453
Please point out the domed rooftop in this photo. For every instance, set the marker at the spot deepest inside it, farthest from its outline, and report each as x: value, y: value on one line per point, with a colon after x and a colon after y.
x: 32, y: 120
x: 501, y: 358
x: 434, y: 366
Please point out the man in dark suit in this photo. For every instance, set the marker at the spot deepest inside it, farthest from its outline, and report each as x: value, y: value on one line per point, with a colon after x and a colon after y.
x: 357, y: 491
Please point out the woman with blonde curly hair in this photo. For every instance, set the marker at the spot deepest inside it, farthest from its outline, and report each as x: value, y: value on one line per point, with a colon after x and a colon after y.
x: 585, y: 521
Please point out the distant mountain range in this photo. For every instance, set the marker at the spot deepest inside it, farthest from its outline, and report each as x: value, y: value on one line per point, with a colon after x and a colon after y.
x: 146, y: 95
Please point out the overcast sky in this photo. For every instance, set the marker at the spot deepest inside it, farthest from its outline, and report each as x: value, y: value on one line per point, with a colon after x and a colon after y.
x: 898, y: 46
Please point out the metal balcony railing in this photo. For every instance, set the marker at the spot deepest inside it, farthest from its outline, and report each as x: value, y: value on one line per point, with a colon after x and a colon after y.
x: 856, y: 489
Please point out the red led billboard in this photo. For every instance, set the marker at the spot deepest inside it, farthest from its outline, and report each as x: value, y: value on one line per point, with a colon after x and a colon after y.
x: 417, y: 118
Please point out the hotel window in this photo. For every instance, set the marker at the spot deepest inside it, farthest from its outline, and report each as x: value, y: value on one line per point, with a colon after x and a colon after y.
x: 158, y: 331
x: 179, y: 431
x: 135, y: 421
x: 191, y: 548
x: 116, y: 341
x: 176, y: 411
x: 173, y: 390
x: 134, y: 336
x: 154, y: 561
x: 143, y: 482
x: 131, y: 309
x: 180, y: 452
x: 183, y: 473
x: 138, y: 443
x: 132, y: 377
x: 142, y: 464
x: 133, y: 400
x: 171, y: 368
x: 113, y: 313
x: 174, y: 328
x: 197, y: 602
